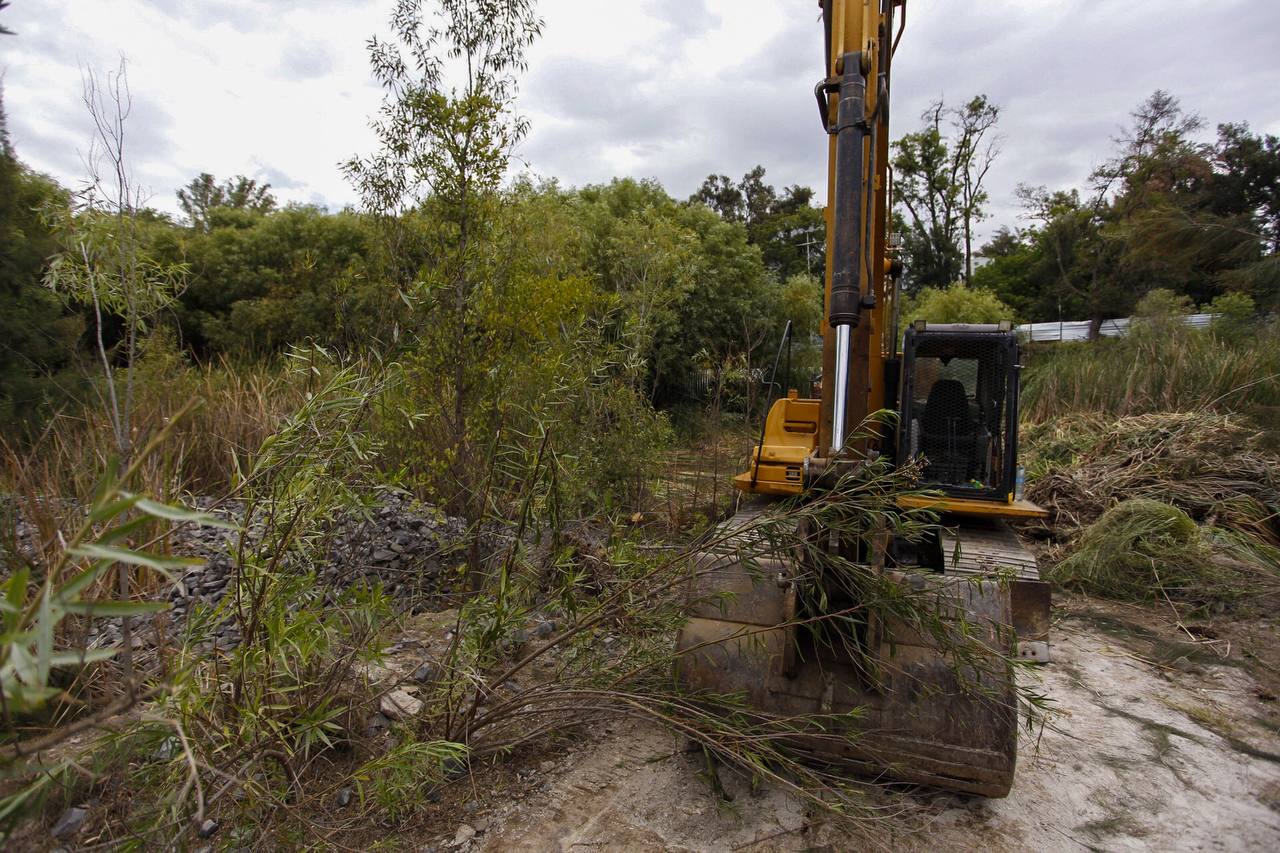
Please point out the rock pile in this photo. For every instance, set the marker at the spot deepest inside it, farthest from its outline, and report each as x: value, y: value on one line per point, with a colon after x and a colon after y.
x: 410, y: 549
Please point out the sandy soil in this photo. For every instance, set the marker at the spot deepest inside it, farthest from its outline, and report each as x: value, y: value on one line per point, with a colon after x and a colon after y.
x: 1159, y: 743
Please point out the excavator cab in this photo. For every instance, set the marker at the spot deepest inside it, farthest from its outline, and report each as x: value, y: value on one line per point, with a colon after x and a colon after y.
x: 958, y: 408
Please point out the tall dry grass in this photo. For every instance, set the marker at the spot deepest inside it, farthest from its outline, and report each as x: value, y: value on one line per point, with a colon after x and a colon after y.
x: 236, y: 408
x: 1158, y: 367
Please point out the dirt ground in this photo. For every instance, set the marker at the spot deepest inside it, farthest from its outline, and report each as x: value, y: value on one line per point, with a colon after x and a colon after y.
x: 1161, y: 740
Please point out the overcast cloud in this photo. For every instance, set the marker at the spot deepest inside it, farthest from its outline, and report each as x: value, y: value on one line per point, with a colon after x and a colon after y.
x: 668, y: 89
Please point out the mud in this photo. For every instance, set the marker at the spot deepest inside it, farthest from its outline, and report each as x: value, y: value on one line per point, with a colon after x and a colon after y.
x: 1144, y: 751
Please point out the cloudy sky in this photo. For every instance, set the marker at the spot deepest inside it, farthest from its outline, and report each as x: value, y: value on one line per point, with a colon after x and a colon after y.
x: 668, y: 89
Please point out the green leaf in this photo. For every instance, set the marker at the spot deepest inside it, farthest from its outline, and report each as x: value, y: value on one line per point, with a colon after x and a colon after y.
x: 159, y: 562
x: 176, y: 513
x: 22, y: 662
x: 115, y: 534
x: 106, y: 485
x: 15, y: 595
x: 107, y: 511
x: 26, y: 697
x: 71, y: 590
x: 116, y: 608
x: 44, y: 635
x: 67, y: 657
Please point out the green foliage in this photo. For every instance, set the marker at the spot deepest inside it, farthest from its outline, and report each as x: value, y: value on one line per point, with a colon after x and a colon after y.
x: 259, y: 284
x: 203, y: 196
x: 38, y: 338
x: 1137, y: 549
x: 288, y: 691
x: 395, y: 780
x: 1236, y: 316
x: 104, y: 267
x: 789, y: 230
x: 955, y: 304
x: 1015, y: 271
x: 47, y: 601
x: 731, y: 307
x: 446, y: 132
x: 33, y: 604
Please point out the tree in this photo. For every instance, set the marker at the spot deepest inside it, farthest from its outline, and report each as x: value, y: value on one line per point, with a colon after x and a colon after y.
x: 1080, y: 264
x: 1246, y: 180
x: 1015, y: 272
x: 1192, y: 217
x: 446, y: 128
x: 1155, y: 155
x: 759, y: 199
x: 720, y: 194
x: 939, y: 172
x: 259, y: 284
x: 976, y: 149
x: 104, y: 265
x: 789, y: 230
x: 1165, y: 211
x: 693, y: 287
x: 203, y: 195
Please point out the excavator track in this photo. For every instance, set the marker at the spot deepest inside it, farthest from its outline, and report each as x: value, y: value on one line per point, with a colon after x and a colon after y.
x: 990, y: 548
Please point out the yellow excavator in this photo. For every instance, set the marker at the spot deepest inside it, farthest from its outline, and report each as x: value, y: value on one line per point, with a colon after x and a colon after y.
x: 954, y: 389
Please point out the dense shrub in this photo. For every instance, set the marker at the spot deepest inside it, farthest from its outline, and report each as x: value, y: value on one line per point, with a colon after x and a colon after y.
x: 955, y: 304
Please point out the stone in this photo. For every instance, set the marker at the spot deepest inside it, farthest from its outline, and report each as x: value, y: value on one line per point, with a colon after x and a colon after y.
x: 428, y: 673
x: 377, y: 725
x: 166, y: 750
x: 465, y: 833
x: 344, y: 797
x: 70, y: 822
x: 544, y: 629
x: 208, y: 828
x: 399, y: 705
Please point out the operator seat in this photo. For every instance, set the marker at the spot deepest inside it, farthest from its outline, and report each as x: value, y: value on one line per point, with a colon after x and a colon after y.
x: 948, y: 433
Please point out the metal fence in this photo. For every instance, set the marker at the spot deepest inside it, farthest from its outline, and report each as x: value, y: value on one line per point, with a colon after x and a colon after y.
x: 1078, y: 330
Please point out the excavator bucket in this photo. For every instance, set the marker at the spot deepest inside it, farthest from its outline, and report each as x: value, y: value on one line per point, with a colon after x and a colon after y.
x: 911, y: 713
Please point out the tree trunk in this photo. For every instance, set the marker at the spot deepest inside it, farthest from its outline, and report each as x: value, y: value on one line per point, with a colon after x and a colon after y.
x: 968, y: 251
x: 1095, y: 327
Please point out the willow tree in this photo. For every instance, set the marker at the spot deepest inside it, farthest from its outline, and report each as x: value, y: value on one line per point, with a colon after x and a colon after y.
x: 446, y: 128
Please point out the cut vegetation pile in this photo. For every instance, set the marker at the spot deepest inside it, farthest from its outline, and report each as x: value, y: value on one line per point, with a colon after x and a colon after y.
x: 1177, y: 505
x: 1143, y: 549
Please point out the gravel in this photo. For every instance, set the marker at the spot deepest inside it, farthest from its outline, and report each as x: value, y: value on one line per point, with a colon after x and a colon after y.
x: 407, y: 547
